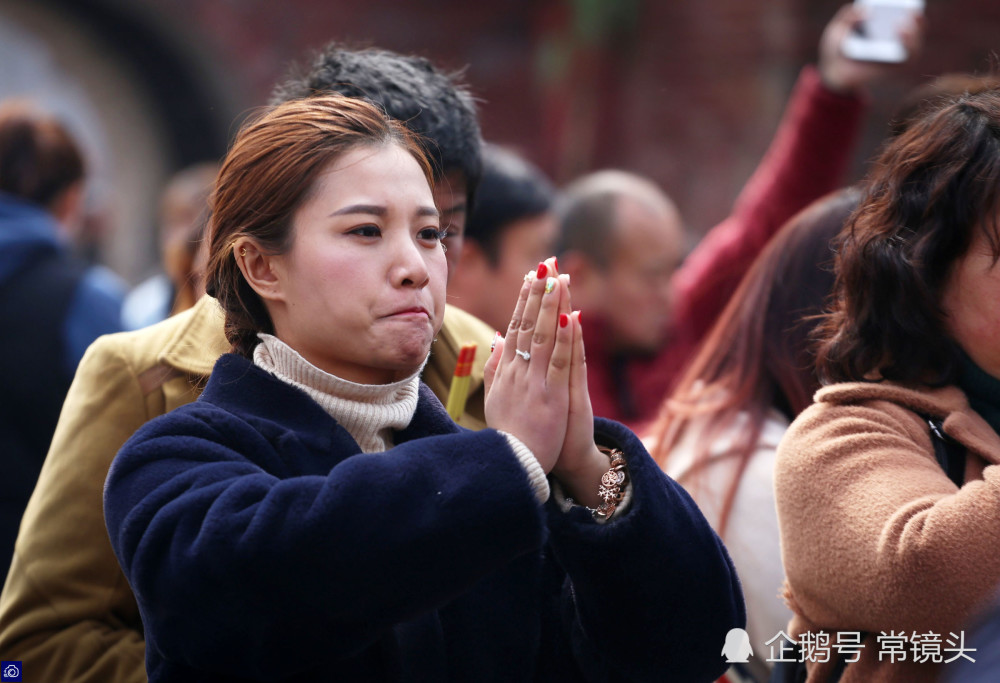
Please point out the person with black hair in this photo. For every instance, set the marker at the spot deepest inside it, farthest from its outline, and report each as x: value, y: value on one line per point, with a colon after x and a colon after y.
x: 511, y: 230
x: 52, y: 304
x: 66, y: 610
x: 434, y: 104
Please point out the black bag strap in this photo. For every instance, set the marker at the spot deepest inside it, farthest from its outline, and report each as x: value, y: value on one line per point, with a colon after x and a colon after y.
x: 949, y: 453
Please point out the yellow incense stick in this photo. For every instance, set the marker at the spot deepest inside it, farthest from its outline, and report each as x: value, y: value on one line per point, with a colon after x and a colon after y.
x: 459, y: 392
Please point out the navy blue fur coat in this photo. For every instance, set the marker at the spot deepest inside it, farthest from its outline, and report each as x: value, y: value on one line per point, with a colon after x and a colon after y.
x: 261, y: 544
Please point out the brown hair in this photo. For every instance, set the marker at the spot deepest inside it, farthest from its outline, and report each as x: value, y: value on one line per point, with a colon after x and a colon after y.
x: 757, y: 356
x: 39, y: 160
x: 268, y: 174
x: 936, y: 93
x: 926, y: 194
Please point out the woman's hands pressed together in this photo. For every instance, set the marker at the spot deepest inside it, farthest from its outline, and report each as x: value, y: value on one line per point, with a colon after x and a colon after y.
x: 527, y: 376
x: 536, y: 384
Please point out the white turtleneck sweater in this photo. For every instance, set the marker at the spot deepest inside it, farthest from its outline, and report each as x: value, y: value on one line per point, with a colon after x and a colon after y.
x: 369, y: 412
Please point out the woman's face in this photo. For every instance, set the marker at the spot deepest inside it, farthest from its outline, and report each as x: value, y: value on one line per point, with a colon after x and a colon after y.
x: 971, y: 302
x: 361, y: 292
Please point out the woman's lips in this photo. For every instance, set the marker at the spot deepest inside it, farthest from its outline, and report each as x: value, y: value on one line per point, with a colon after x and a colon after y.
x: 411, y: 311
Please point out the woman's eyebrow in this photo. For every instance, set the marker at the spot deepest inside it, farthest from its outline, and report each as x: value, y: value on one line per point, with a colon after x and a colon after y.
x: 370, y: 209
x: 376, y: 210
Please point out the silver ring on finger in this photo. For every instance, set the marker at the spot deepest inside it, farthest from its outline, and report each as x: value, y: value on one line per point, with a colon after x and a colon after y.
x: 523, y: 354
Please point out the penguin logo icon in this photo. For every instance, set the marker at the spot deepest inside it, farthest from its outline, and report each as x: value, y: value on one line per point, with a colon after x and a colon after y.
x: 737, y: 648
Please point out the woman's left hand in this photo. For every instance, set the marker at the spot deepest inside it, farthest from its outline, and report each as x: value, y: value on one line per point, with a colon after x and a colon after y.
x: 580, y: 465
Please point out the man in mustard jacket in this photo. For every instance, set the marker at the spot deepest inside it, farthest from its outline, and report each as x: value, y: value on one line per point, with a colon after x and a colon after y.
x: 66, y: 610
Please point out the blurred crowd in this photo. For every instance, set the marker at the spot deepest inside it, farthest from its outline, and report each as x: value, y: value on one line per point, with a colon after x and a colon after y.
x: 820, y: 373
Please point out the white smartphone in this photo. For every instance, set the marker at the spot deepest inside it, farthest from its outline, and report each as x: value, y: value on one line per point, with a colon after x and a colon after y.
x: 877, y: 38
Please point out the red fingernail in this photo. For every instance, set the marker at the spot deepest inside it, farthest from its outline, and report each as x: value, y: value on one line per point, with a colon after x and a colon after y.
x: 555, y: 260
x: 563, y: 320
x: 579, y: 317
x: 543, y: 270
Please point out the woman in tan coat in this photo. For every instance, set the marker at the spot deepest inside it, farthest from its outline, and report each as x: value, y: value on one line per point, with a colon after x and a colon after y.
x: 888, y: 498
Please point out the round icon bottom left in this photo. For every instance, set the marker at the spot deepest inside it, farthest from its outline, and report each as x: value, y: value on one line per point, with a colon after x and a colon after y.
x: 10, y: 671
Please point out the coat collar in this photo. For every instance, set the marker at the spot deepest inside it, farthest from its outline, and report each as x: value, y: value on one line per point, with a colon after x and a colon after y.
x: 257, y: 396
x: 960, y: 421
x: 196, y: 345
x: 429, y: 419
x: 935, y: 402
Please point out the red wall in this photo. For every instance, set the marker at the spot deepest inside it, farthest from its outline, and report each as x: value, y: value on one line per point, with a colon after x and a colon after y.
x: 687, y: 92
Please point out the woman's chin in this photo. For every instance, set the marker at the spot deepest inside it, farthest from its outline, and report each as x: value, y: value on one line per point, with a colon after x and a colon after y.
x: 410, y: 354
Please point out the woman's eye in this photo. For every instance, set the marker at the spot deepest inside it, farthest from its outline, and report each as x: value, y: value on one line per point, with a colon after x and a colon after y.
x: 367, y: 231
x: 433, y: 234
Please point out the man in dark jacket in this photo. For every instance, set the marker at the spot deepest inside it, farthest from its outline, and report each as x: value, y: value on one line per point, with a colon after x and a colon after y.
x: 51, y: 304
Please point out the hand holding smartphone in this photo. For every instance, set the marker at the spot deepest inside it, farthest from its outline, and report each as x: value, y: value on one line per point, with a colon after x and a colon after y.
x: 877, y: 38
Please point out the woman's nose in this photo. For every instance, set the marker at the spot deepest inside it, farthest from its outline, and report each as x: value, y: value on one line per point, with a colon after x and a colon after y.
x: 409, y: 267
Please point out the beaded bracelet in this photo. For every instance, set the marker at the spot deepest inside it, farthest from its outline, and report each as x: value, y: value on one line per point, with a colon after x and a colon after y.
x: 613, y: 484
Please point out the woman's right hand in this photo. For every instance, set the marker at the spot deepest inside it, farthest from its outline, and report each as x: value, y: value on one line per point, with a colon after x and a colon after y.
x: 529, y: 399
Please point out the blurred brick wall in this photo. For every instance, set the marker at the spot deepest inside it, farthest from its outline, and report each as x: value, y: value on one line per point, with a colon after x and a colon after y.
x: 688, y: 92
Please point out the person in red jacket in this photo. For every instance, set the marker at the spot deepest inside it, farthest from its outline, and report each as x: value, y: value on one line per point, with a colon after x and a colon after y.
x: 621, y: 236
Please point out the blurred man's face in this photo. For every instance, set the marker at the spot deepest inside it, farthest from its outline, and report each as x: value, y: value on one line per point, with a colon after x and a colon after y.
x: 636, y: 300
x: 450, y: 199
x: 523, y: 245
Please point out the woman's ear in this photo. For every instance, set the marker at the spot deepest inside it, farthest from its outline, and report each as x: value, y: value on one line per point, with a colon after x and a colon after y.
x: 258, y: 267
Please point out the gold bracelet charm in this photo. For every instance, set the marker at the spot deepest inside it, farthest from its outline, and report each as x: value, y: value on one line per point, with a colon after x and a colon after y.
x: 613, y: 483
